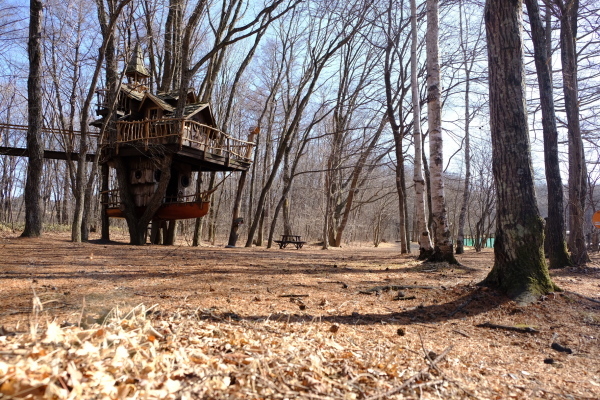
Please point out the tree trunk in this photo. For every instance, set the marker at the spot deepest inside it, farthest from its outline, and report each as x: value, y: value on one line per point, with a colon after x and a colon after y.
x: 236, y: 221
x: 423, y: 238
x: 198, y: 222
x: 401, y: 189
x: 443, y: 249
x: 137, y: 224
x: 104, y: 199
x: 287, y: 183
x: 520, y: 268
x: 555, y: 225
x: 577, y: 168
x: 397, y: 133
x: 467, y: 189
x: 64, y: 212
x: 35, y: 145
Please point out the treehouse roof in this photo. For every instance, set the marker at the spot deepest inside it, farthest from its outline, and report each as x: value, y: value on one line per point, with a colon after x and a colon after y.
x: 132, y: 92
x: 149, y: 97
x: 173, y: 96
x: 204, y: 108
x: 136, y: 66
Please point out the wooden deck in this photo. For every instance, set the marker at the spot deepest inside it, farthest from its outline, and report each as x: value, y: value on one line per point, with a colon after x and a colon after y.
x: 199, y: 145
x: 203, y: 147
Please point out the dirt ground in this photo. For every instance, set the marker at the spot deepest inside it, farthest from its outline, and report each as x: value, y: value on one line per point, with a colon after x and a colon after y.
x: 338, y: 294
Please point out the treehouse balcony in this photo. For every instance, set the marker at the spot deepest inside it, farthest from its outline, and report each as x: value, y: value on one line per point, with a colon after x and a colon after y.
x: 204, y: 147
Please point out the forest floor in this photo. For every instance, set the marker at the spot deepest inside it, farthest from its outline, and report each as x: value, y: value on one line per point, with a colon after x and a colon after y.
x: 109, y: 320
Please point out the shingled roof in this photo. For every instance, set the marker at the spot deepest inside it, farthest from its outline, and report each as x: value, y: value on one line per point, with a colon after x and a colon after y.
x: 158, y: 101
x: 136, y: 64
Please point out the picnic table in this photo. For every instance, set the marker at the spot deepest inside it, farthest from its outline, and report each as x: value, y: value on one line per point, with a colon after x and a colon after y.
x: 290, y: 239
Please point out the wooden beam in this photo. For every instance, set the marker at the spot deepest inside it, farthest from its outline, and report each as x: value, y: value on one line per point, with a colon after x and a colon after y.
x: 51, y: 154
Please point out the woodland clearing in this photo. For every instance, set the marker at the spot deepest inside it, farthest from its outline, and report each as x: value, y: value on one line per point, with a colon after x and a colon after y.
x: 110, y: 320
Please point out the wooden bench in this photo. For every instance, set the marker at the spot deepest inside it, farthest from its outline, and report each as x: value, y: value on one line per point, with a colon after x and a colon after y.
x: 290, y: 239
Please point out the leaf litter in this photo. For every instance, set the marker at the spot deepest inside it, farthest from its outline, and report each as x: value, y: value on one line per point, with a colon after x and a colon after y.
x: 247, y: 338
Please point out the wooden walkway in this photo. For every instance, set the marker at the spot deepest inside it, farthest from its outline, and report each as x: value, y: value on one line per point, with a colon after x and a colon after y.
x: 57, y: 151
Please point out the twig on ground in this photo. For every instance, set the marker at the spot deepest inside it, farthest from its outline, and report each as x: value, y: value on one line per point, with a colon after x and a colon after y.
x: 525, y: 329
x: 428, y: 356
x: 460, y: 307
x: 461, y: 333
x: 583, y: 297
x: 425, y: 325
x: 405, y: 298
x: 393, y: 287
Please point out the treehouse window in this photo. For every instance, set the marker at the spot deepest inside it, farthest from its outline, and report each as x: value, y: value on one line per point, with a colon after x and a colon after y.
x: 153, y: 113
x: 185, y: 181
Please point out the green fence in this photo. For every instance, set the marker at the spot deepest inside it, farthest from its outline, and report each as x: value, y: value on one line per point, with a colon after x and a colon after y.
x: 470, y: 242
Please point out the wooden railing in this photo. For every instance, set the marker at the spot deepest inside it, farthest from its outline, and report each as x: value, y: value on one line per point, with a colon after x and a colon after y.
x: 184, y: 133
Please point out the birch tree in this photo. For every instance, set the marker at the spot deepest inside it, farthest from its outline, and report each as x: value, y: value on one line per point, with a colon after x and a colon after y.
x: 443, y: 248
x: 425, y: 246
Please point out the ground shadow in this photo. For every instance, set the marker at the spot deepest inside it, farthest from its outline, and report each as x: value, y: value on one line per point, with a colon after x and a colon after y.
x: 476, y: 301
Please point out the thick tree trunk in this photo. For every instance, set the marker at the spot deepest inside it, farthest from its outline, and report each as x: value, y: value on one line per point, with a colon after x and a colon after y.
x: 520, y: 268
x: 35, y: 145
x: 443, y: 249
x: 137, y: 224
x: 236, y: 221
x: 423, y: 238
x: 555, y: 225
x: 577, y: 167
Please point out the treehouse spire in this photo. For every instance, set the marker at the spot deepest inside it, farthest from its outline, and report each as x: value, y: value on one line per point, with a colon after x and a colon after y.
x: 136, y: 72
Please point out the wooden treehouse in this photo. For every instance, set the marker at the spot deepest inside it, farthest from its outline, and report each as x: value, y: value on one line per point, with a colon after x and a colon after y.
x: 146, y: 129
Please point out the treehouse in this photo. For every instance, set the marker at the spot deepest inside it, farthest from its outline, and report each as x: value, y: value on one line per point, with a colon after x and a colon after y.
x: 147, y: 129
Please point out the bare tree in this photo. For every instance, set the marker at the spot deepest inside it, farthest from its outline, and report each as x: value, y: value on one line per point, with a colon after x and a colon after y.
x: 395, y: 95
x: 469, y: 56
x: 422, y: 230
x: 355, y: 133
x: 568, y: 13
x: 443, y: 249
x: 35, y: 145
x: 520, y: 268
x: 324, y: 41
x: 555, y: 229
